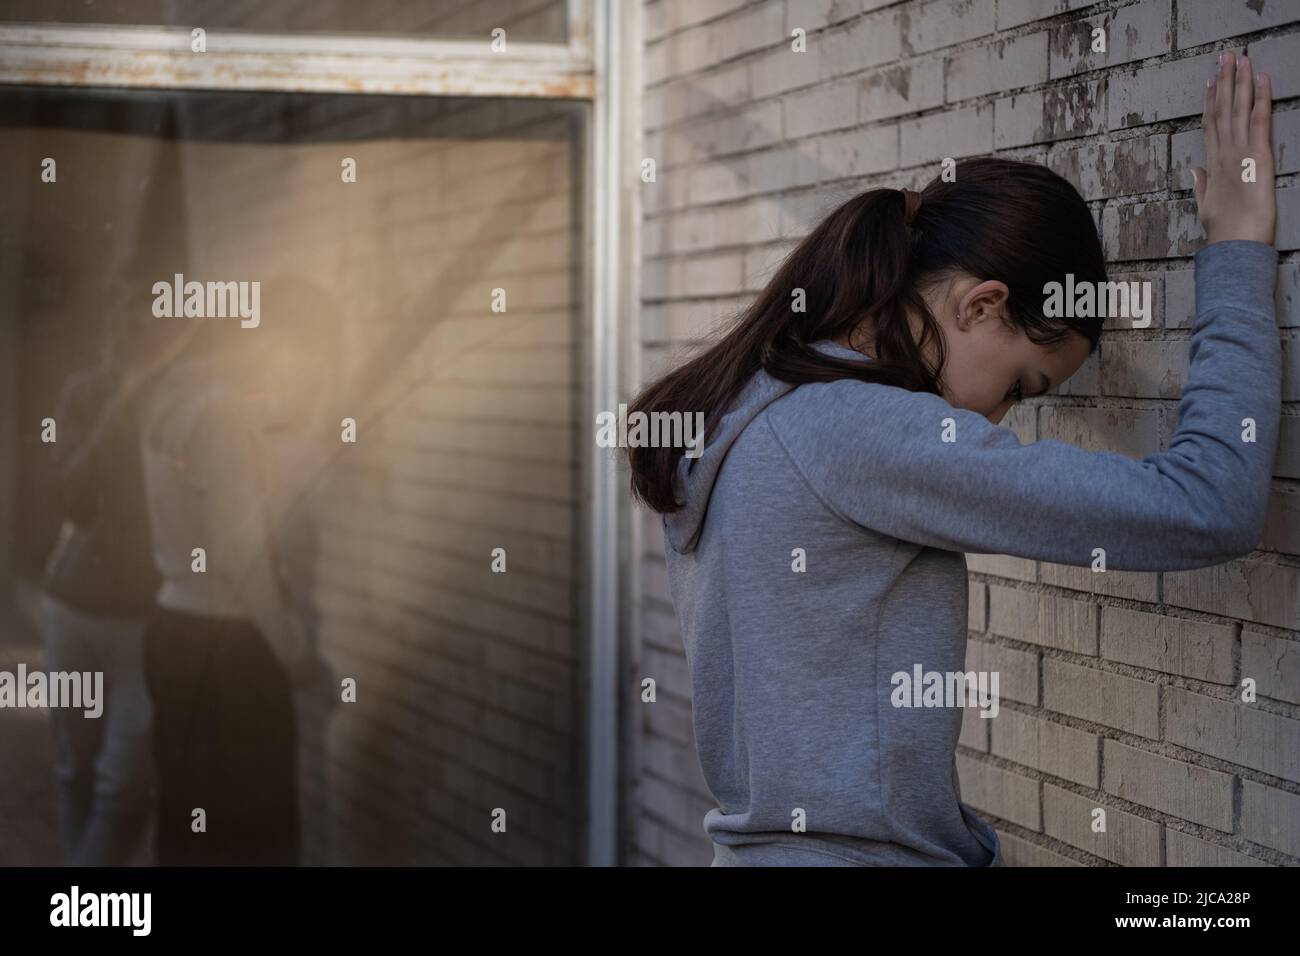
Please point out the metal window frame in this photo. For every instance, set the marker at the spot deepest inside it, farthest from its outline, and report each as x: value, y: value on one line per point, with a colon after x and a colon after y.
x: 113, y: 55
x: 584, y: 68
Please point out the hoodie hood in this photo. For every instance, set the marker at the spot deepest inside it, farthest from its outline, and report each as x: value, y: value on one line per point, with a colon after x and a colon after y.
x: 696, y: 476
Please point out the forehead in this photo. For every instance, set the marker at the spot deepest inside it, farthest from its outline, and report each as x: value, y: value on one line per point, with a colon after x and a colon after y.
x: 1061, y: 360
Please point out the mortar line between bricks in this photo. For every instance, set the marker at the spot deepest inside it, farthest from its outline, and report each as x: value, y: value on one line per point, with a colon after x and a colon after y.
x: 1147, y: 676
x: 1046, y: 25
x: 1136, y: 604
x: 1103, y: 797
x: 1147, y: 745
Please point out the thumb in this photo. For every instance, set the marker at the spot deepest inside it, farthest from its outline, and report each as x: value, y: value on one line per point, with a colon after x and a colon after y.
x: 1198, y: 183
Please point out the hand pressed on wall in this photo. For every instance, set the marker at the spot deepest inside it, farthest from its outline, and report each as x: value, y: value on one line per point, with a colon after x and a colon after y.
x: 1234, y: 201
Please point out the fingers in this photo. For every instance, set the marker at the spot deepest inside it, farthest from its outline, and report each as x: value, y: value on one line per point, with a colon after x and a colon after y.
x: 1208, y: 128
x: 1261, y: 118
x: 1223, y: 97
x: 1243, y: 99
x: 1198, y: 185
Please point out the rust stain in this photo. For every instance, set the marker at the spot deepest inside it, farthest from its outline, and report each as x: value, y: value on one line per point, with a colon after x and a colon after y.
x: 153, y: 69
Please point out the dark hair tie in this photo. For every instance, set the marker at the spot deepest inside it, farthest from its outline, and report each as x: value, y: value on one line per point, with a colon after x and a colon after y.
x: 911, y: 204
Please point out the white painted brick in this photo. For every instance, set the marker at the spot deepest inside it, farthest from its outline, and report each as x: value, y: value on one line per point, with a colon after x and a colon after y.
x: 997, y: 67
x: 822, y: 108
x: 1273, y: 663
x: 679, y: 16
x: 1120, y: 168
x: 1000, y: 793
x: 1043, y: 619
x: 1100, y: 696
x: 780, y: 70
x: 1134, y: 585
x: 940, y: 23
x: 1112, y: 700
x: 1063, y: 111
x: 857, y: 153
x: 1151, y: 230
x: 1143, y: 369
x: 1172, y: 786
x: 778, y: 170
x: 1046, y: 745
x: 1187, y: 149
x: 1128, y: 840
x: 1003, y: 566
x: 715, y: 182
x: 1140, y: 95
x: 1195, y: 649
x: 1276, y: 57
x: 975, y: 730
x: 954, y: 133
x: 1287, y: 463
x: 752, y: 28
x: 1017, y: 670
x: 1014, y: 13
x: 815, y: 14
x: 907, y: 88
x: 1255, y: 589
x: 1288, y: 219
x: 1204, y: 21
x: 1086, y: 381
x: 701, y: 275
x: 1134, y: 32
x: 1017, y: 851
x: 1180, y: 297
x: 1282, y: 527
x: 1237, y: 732
x: 1270, y: 817
x: 757, y: 126
x: 1183, y: 849
x: 1291, y: 370
x: 1134, y: 432
x: 1023, y: 420
x: 976, y: 618
x: 869, y: 41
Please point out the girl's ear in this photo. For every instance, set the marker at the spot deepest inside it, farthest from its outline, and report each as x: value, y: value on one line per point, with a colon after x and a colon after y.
x: 984, y: 300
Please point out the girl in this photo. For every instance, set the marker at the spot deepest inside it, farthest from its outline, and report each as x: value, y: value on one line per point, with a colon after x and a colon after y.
x: 816, y: 548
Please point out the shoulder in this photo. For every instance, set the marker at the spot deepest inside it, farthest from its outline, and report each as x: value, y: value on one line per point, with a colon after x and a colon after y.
x: 864, y: 409
x: 834, y: 430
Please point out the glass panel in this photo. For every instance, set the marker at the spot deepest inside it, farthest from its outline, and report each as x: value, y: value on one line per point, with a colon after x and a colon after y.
x: 291, y: 459
x: 527, y: 20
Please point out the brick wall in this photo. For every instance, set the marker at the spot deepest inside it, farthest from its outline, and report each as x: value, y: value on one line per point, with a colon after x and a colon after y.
x: 1120, y: 689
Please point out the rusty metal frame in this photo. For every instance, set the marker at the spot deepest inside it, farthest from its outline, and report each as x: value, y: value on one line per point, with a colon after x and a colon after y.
x: 161, y: 58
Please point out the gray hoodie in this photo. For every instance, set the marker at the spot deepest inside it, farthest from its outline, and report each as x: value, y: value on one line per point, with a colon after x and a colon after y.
x: 818, y: 565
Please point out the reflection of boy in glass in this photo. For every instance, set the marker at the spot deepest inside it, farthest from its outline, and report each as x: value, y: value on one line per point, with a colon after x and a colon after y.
x: 224, y: 441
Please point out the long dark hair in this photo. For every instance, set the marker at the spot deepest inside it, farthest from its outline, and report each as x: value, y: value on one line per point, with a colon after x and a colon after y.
x: 862, y: 269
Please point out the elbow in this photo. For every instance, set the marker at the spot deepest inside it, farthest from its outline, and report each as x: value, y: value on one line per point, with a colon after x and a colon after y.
x: 1240, y: 528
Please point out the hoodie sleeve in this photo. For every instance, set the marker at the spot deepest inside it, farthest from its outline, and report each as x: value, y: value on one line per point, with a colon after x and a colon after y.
x: 910, y: 465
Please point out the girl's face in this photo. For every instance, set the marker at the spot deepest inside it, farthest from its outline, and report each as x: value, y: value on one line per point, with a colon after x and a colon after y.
x: 991, y: 366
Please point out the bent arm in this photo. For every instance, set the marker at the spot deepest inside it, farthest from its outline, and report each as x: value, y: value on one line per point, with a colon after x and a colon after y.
x: 878, y: 456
